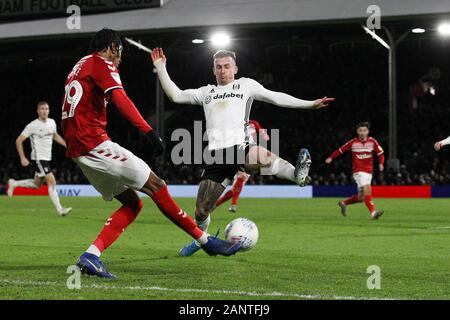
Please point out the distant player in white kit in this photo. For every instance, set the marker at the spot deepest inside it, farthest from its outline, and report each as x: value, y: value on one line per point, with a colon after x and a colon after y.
x: 42, y: 132
x: 227, y: 108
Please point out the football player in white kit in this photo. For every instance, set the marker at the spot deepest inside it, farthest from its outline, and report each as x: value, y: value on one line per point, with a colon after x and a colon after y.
x: 42, y: 132
x: 227, y: 108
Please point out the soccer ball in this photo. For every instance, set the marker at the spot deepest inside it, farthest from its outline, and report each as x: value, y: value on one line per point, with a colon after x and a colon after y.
x: 243, y: 231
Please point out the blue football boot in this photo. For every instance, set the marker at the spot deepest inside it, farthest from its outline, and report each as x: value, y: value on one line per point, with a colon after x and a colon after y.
x: 90, y: 264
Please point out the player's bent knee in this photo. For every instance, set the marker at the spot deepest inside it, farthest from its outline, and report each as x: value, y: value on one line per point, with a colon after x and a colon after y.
x: 155, y: 183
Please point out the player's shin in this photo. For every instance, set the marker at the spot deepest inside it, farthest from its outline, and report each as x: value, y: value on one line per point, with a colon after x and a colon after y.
x: 227, y: 196
x: 282, y: 169
x: 114, y: 227
x: 369, y: 203
x: 351, y: 200
x: 171, y: 210
x: 53, y: 194
x: 203, y: 223
x: 237, y: 188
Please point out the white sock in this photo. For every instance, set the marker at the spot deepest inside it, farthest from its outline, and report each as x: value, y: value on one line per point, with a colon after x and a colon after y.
x: 53, y: 194
x: 203, y: 239
x: 27, y: 183
x: 203, y: 225
x: 282, y: 169
x: 94, y: 250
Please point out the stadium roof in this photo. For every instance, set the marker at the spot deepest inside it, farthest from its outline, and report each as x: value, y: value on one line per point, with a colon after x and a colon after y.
x: 203, y: 13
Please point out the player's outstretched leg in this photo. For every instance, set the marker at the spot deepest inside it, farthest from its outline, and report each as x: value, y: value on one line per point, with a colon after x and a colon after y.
x: 351, y: 200
x: 208, y: 193
x: 260, y: 158
x: 27, y: 183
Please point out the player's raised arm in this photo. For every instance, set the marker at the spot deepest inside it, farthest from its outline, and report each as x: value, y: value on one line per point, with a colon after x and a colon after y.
x: 336, y: 153
x: 438, y: 145
x: 285, y: 100
x: 175, y: 94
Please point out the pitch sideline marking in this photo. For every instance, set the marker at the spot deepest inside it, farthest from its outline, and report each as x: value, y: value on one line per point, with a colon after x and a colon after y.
x: 431, y: 228
x: 192, y: 290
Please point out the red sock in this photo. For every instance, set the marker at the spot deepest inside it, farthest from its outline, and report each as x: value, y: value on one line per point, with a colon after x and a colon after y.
x: 353, y: 199
x: 369, y: 203
x: 115, y: 225
x: 172, y: 211
x: 237, y: 188
x: 227, y: 196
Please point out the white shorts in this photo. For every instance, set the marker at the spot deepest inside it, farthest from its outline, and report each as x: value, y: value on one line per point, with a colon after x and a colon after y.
x: 112, y: 169
x: 362, y: 179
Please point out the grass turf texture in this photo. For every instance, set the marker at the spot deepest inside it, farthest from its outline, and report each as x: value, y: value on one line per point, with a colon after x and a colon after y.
x: 306, y: 250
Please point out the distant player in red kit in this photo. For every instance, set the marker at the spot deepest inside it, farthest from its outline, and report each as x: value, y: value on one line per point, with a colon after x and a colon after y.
x: 255, y: 130
x: 113, y: 170
x: 363, y: 148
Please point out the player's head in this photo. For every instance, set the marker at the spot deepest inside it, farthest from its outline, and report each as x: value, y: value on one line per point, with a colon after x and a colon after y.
x: 43, y: 109
x: 225, y: 67
x: 107, y: 43
x: 362, y: 129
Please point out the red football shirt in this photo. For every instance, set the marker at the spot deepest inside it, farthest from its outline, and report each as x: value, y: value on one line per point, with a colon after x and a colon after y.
x: 84, y: 105
x: 362, y: 153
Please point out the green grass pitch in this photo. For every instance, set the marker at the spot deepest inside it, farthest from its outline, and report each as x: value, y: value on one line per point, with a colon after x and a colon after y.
x: 306, y: 250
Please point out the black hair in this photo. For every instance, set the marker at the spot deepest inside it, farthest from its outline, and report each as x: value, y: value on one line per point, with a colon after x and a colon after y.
x: 104, y: 39
x: 363, y: 124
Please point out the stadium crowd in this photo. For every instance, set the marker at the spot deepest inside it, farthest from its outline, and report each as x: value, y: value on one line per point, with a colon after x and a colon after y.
x: 355, y: 73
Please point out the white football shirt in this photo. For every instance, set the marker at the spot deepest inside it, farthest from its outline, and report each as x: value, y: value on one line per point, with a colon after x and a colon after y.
x: 227, y: 108
x: 41, y: 138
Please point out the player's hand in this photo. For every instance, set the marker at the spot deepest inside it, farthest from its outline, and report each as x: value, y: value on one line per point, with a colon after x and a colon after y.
x: 322, y: 103
x: 24, y: 162
x: 157, y: 143
x: 157, y: 54
x: 381, y: 167
x: 438, y: 145
x: 328, y: 160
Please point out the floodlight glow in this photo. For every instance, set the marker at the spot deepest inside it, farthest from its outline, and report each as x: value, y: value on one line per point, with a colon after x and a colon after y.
x: 418, y: 30
x: 220, y: 39
x: 444, y: 29
x: 198, y: 41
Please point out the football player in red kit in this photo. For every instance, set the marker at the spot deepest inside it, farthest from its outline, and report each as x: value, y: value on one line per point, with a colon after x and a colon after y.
x: 363, y: 148
x: 255, y: 130
x: 113, y: 170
